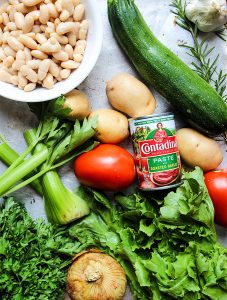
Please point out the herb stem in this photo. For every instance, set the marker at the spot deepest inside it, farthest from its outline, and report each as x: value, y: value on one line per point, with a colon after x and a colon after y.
x: 206, y: 67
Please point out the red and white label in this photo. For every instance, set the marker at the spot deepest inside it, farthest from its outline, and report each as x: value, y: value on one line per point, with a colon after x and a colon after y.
x: 150, y: 148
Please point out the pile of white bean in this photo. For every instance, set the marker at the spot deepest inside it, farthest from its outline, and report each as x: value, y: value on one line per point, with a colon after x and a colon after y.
x: 41, y: 41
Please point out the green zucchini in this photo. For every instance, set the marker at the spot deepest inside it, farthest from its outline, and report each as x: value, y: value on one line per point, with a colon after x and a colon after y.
x: 192, y: 96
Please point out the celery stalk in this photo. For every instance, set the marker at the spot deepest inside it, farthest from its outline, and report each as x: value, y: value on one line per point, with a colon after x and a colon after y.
x: 22, y: 170
x: 62, y: 206
x: 8, y: 156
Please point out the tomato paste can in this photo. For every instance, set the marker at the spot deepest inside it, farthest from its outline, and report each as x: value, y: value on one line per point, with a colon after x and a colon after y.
x: 156, y: 153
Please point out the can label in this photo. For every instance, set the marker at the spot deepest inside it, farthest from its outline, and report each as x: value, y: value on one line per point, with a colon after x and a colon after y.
x: 155, y: 151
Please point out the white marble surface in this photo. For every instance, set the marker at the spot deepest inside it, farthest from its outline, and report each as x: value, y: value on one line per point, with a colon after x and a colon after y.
x: 15, y: 117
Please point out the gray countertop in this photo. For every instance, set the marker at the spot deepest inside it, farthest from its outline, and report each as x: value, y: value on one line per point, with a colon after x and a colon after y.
x: 15, y: 117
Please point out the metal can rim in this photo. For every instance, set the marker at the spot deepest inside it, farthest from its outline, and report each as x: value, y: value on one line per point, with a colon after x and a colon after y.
x: 151, y: 116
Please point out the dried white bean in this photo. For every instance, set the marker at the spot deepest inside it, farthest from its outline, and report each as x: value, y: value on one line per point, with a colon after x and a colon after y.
x: 11, y: 71
x: 5, y: 18
x: 65, y: 27
x: 22, y: 81
x: 20, y: 60
x: 48, y: 82
x: 44, y: 14
x: 29, y: 87
x: 48, y: 32
x: 76, y: 2
x: 19, y: 19
x: 28, y: 42
x: 41, y: 39
x: 13, y: 2
x: 64, y: 15
x: 51, y: 46
x: 12, y: 26
x: 60, y: 38
x: 43, y: 28
x: 11, y: 14
x: 54, y: 70
x: 27, y: 53
x: 43, y: 68
x: 34, y: 63
x: 58, y: 6
x: 22, y: 8
x: 36, y: 29
x: 52, y: 10
x: 14, y: 79
x: 82, y: 43
x: 31, y: 35
x: 9, y: 51
x: 79, y: 49
x: 57, y: 22
x: 61, y: 55
x: 14, y: 43
x: 5, y: 37
x: 8, y: 61
x: 28, y: 23
x: 68, y: 5
x: 79, y: 13
x: 16, y: 33
x: 2, y: 54
x: 5, y: 76
x: 30, y: 74
x: 70, y: 64
x: 6, y: 29
x: 78, y: 57
x: 64, y: 73
x: 31, y: 2
x: 83, y: 30
x: 69, y: 50
x: 3, y: 7
x: 34, y: 14
x: 39, y: 54
x: 72, y: 39
x: 76, y: 29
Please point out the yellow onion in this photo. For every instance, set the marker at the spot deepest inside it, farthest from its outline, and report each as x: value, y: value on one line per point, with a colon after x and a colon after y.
x: 94, y: 275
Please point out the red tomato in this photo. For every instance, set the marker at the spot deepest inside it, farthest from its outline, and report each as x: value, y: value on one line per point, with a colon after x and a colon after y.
x: 107, y: 167
x: 216, y: 182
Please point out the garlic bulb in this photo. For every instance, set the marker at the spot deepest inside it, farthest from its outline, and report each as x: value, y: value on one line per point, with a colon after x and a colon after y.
x: 95, y: 276
x: 208, y: 14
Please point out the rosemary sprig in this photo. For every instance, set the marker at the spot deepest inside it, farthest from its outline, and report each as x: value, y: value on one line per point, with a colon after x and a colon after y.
x: 200, y: 50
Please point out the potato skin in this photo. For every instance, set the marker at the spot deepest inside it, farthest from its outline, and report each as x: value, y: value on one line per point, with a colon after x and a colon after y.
x: 79, y: 103
x: 198, y: 150
x: 130, y: 96
x: 112, y: 126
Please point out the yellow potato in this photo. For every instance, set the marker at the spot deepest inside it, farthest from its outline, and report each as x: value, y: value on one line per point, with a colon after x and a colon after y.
x: 79, y: 104
x: 112, y: 126
x: 198, y: 150
x: 130, y: 96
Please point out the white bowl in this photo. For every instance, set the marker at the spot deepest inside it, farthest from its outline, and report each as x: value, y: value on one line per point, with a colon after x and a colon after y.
x: 94, y: 44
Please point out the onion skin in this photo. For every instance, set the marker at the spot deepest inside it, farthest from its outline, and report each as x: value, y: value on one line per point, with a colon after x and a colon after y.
x: 96, y: 276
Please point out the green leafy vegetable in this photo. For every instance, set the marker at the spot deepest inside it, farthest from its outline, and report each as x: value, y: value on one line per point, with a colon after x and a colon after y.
x: 168, y: 248
x: 53, y: 143
x: 34, y: 256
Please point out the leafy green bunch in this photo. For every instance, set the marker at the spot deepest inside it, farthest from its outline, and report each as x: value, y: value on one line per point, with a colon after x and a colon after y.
x: 34, y: 256
x: 168, y: 249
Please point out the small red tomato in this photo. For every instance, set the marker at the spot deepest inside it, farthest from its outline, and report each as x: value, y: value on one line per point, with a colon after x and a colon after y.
x: 106, y: 167
x: 216, y: 182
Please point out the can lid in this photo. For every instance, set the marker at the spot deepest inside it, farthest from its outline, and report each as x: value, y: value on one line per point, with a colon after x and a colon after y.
x: 151, y: 116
